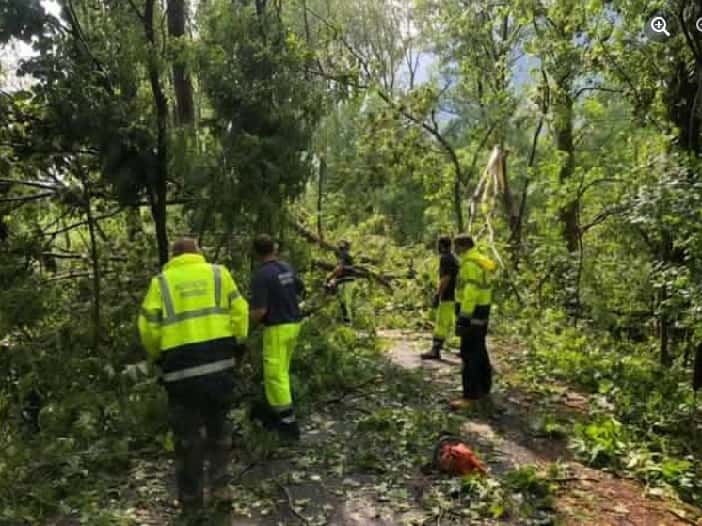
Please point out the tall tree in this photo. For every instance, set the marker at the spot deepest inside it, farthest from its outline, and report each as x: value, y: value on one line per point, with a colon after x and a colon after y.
x: 182, y: 83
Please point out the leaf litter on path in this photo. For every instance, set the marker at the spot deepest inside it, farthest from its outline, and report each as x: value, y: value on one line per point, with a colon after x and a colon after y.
x: 586, y: 496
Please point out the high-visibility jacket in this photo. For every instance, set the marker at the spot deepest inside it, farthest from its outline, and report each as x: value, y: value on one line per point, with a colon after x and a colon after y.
x: 474, y: 281
x: 191, y: 318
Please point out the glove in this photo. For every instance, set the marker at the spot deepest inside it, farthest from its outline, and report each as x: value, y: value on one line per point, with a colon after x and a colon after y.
x: 435, y: 302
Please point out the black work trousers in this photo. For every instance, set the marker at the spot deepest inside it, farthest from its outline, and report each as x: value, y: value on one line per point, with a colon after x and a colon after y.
x: 202, y: 435
x: 477, y: 370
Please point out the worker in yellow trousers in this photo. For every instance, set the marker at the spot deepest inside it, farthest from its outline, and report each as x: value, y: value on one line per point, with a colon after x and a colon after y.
x: 444, y: 299
x: 275, y: 290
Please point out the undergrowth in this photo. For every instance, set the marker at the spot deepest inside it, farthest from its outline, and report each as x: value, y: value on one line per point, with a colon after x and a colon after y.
x: 641, y: 421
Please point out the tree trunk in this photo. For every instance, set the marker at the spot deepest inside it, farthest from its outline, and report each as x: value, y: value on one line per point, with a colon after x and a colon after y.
x: 664, y: 336
x: 320, y: 194
x: 511, y: 209
x: 684, y: 104
x: 185, y: 108
x: 133, y: 223
x: 158, y: 190
x: 95, y: 263
x: 516, y: 239
x: 457, y: 205
x: 563, y: 128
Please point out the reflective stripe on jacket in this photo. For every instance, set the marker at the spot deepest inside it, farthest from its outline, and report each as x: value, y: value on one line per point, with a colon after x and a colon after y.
x: 191, y: 302
x: 475, y: 281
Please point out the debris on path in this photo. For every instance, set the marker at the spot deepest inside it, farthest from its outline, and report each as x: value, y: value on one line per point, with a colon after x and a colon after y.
x: 586, y: 496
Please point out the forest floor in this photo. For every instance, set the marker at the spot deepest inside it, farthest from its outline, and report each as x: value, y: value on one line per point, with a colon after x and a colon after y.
x: 359, y: 463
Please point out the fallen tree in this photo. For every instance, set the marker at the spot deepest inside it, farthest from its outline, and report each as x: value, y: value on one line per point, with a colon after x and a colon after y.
x: 362, y: 271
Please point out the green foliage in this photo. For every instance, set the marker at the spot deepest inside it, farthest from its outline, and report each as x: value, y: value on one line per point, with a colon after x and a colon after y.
x: 537, y: 487
x: 21, y: 19
x: 640, y: 412
x: 264, y: 112
x: 374, y: 119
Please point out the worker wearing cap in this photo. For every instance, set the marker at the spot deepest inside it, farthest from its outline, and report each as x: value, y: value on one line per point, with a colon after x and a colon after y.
x: 475, y: 297
x: 193, y: 323
x: 275, y: 291
x: 343, y: 277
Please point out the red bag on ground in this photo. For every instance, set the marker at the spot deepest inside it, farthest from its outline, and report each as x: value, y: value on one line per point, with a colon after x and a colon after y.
x: 454, y: 457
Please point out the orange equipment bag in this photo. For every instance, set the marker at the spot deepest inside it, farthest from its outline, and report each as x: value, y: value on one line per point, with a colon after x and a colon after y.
x: 454, y: 457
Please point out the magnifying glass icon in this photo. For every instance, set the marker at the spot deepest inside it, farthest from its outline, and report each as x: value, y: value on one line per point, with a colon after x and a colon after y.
x: 659, y: 25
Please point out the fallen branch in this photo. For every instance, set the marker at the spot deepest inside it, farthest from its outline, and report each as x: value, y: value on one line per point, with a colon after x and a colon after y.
x: 27, y: 199
x: 291, y: 504
x: 576, y: 479
x: 676, y: 515
x: 68, y: 255
x: 83, y: 223
x: 311, y: 236
x: 33, y: 184
x: 236, y: 478
x: 75, y: 275
x: 352, y: 390
x: 363, y: 272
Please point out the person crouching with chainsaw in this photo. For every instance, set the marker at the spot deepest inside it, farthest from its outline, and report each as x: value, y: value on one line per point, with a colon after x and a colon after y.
x: 342, y: 281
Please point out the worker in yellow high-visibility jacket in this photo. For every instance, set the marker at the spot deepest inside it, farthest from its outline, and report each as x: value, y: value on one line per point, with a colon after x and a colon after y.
x: 193, y: 323
x: 275, y: 291
x: 475, y: 298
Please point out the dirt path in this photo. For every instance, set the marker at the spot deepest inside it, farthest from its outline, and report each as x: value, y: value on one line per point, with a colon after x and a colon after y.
x: 587, y: 496
x: 360, y: 460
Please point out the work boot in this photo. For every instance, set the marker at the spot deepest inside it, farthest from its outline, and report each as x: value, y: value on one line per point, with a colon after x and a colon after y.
x: 192, y: 514
x: 288, y: 429
x: 435, y: 353
x: 221, y: 505
x: 262, y: 413
x: 289, y: 432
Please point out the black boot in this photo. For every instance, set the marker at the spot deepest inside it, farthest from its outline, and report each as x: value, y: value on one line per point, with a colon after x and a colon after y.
x: 261, y: 412
x: 192, y: 512
x: 288, y: 429
x: 435, y: 353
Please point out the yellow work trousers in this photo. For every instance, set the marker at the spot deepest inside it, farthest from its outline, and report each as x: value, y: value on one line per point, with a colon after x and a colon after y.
x: 278, y: 346
x: 347, y: 300
x: 444, y: 320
